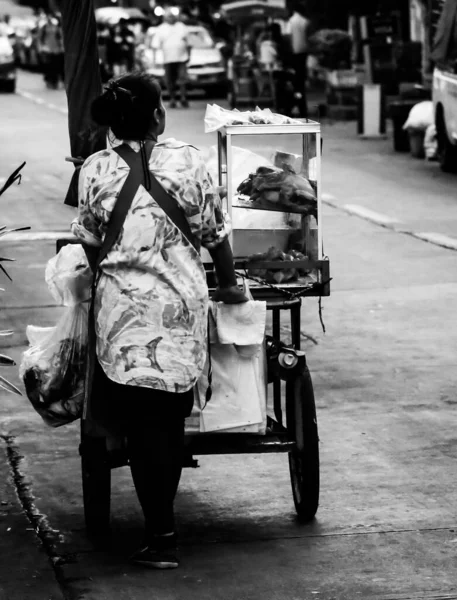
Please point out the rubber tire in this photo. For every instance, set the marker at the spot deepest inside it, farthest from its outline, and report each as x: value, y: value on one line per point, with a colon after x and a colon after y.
x: 447, y: 152
x: 9, y: 86
x: 96, y: 484
x: 304, y: 459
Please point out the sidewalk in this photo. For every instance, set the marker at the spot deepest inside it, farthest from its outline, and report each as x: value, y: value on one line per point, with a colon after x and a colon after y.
x: 25, y: 572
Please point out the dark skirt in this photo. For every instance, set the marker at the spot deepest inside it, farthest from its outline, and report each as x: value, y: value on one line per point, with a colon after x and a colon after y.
x: 117, y: 403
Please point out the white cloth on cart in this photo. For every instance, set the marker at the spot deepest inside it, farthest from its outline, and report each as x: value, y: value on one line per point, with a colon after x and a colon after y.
x: 240, y: 324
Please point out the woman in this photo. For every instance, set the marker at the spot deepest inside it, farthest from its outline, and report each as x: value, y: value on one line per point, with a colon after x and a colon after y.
x: 152, y: 298
x: 51, y: 40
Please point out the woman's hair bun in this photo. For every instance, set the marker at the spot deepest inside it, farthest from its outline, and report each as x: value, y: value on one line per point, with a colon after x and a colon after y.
x: 105, y: 109
x: 127, y: 106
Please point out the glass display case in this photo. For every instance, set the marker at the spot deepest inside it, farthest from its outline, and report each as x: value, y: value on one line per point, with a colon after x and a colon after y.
x: 272, y: 174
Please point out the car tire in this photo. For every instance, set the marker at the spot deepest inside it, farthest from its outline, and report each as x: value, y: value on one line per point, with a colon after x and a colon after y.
x: 447, y: 152
x: 10, y: 86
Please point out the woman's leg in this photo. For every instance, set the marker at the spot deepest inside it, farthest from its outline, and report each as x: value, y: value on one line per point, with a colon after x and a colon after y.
x: 153, y: 423
x: 170, y: 81
x: 182, y: 80
x: 155, y: 442
x: 155, y: 455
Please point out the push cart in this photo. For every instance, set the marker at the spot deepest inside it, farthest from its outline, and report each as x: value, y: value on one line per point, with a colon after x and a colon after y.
x: 250, y: 83
x: 292, y: 422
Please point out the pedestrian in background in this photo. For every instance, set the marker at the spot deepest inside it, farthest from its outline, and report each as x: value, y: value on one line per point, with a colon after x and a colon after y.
x: 5, y: 27
x: 123, y: 48
x: 283, y: 78
x: 172, y: 38
x: 297, y: 30
x: 52, y: 50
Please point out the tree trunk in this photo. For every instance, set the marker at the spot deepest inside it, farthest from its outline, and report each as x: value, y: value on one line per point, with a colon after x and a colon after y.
x: 82, y: 82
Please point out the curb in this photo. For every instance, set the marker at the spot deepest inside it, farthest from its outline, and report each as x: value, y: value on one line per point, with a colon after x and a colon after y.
x: 354, y: 210
x: 41, y: 102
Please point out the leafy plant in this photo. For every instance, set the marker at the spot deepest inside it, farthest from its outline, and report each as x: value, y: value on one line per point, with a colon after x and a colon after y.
x: 6, y: 360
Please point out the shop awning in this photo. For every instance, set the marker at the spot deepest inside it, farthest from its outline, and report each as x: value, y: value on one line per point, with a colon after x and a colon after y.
x: 445, y: 42
x: 250, y: 10
x: 82, y: 81
x: 113, y: 14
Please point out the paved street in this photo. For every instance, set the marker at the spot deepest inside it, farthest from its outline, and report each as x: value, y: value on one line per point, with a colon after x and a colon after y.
x: 385, y: 384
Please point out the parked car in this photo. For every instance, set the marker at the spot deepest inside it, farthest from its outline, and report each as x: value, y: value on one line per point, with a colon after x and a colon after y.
x: 445, y: 87
x: 7, y: 65
x: 206, y: 69
x: 445, y: 106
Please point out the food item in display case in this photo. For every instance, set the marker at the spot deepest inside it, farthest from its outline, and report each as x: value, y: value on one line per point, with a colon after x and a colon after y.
x: 217, y: 117
x: 273, y: 254
x: 283, y: 189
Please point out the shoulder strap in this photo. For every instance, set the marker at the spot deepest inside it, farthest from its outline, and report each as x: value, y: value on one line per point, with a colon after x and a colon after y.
x: 122, y: 206
x: 167, y: 203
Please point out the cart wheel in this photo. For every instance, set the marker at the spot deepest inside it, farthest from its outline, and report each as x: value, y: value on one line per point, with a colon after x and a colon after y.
x: 96, y: 480
x: 304, y: 459
x: 447, y: 151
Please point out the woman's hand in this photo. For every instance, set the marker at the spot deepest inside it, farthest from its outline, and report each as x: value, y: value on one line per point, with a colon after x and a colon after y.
x: 230, y: 295
x: 222, y: 191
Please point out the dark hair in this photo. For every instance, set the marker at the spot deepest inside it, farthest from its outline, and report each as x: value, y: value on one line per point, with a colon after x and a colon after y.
x: 127, y: 105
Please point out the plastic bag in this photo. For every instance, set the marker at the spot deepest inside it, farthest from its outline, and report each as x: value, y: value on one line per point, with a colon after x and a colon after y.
x: 420, y: 116
x: 239, y: 386
x: 239, y: 392
x: 69, y: 276
x: 431, y: 143
x: 217, y: 117
x: 53, y: 367
x: 244, y: 162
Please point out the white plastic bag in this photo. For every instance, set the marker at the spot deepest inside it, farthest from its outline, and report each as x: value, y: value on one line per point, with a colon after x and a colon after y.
x: 431, y: 143
x: 53, y: 367
x: 420, y: 116
x: 239, y: 384
x: 217, y: 117
x: 69, y: 276
x: 239, y: 391
x: 244, y: 162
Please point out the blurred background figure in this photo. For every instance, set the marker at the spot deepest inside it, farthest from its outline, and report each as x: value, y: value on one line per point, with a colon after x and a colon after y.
x: 274, y: 55
x: 104, y: 38
x: 298, y: 29
x: 172, y: 38
x: 52, y: 50
x: 121, y: 48
x: 5, y: 27
x: 224, y: 34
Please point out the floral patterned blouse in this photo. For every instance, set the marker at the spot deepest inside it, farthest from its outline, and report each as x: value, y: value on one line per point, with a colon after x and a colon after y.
x: 152, y: 299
